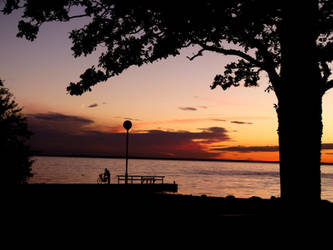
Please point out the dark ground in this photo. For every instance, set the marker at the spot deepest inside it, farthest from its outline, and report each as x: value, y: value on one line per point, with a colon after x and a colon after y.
x: 92, y: 199
x: 91, y: 216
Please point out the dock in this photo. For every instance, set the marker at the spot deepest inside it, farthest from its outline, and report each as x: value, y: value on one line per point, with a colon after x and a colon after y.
x: 144, y: 188
x: 142, y: 184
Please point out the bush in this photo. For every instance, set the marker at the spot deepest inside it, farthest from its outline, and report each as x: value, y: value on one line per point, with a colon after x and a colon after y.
x: 14, y: 135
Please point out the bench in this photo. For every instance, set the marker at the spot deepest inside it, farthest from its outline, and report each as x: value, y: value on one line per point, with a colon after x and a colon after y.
x: 143, y: 179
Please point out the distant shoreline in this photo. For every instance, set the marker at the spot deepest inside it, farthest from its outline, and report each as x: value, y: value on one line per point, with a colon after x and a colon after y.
x: 161, y: 158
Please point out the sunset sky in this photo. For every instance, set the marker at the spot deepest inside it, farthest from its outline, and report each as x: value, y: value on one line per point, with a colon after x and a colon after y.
x: 173, y: 110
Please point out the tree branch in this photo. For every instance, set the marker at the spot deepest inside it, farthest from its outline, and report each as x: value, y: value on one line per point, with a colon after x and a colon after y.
x: 327, y: 86
x: 232, y: 52
x: 326, y: 53
x: 268, y: 65
x: 199, y: 53
x: 78, y: 16
x: 326, y: 71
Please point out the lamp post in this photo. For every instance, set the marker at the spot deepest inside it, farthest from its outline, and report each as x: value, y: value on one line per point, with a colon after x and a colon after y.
x: 127, y: 125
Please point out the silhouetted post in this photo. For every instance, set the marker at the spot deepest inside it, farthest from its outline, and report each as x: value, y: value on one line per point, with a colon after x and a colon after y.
x: 127, y: 125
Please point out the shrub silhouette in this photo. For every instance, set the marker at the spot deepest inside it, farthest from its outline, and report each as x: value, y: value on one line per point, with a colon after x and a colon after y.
x: 14, y: 135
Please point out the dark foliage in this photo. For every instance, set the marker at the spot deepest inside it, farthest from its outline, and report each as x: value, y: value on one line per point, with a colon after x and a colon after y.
x: 14, y: 135
x: 139, y: 32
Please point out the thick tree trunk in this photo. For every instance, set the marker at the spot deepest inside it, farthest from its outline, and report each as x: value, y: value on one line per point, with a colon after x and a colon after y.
x: 300, y: 129
x: 300, y: 104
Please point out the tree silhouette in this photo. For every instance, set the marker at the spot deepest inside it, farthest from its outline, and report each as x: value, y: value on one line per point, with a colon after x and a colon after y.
x: 290, y: 42
x: 14, y: 134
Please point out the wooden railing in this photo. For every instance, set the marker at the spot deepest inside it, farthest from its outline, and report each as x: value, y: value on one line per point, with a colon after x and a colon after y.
x: 132, y: 179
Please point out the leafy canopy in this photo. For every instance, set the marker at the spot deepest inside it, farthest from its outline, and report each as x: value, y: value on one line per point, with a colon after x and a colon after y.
x: 144, y: 31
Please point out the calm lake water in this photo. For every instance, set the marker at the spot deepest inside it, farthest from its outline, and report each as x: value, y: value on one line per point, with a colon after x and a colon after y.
x: 240, y: 179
